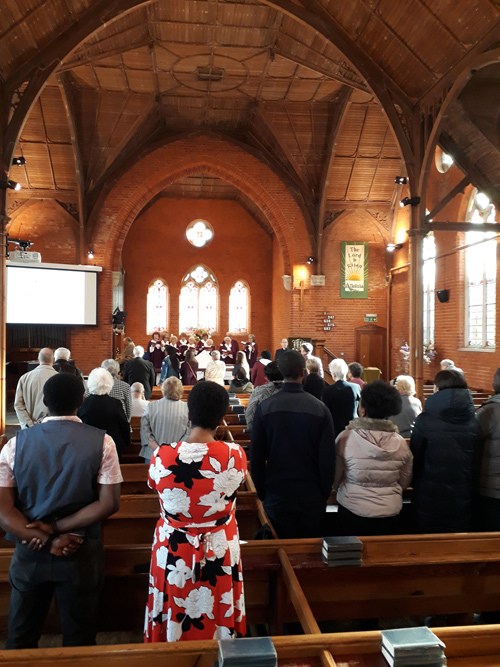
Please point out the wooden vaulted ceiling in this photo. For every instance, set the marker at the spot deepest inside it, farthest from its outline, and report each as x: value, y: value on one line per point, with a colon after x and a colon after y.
x: 262, y: 72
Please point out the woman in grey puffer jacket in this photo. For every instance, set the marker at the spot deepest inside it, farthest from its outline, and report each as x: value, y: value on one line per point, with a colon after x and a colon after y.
x: 487, y: 514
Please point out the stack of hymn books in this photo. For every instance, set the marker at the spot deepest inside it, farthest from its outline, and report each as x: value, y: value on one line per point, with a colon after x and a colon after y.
x: 412, y: 647
x: 344, y: 550
x: 233, y: 400
x: 239, y: 409
x: 250, y: 652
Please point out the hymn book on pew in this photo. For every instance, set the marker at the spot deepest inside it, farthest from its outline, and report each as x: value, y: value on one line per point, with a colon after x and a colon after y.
x: 248, y: 652
x: 342, y: 551
x: 412, y: 647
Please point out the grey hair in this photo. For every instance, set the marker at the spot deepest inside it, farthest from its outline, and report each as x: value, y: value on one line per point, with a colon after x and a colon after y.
x: 137, y: 388
x: 215, y: 354
x: 46, y: 356
x: 138, y: 351
x: 338, y: 369
x: 100, y: 382
x: 62, y: 353
x: 111, y: 366
x: 448, y: 363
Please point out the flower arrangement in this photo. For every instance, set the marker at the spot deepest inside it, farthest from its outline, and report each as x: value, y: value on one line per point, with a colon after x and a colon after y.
x: 405, y: 351
x: 429, y: 352
x: 199, y: 333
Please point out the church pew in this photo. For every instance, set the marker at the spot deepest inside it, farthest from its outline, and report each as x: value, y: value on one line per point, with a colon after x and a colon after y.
x: 286, y: 580
x: 477, y: 646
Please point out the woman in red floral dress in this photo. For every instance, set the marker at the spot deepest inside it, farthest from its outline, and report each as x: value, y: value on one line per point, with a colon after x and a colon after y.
x: 195, y: 581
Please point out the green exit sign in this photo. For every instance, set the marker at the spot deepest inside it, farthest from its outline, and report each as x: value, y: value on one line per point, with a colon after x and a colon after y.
x: 370, y: 318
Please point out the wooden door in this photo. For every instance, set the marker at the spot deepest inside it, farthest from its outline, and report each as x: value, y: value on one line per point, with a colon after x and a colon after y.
x: 371, y: 347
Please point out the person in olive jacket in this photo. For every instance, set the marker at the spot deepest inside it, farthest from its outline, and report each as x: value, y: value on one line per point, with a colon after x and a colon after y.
x: 445, y: 447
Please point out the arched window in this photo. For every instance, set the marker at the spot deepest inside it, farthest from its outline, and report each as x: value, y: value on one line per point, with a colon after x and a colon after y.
x: 198, y: 300
x: 157, y: 306
x: 239, y: 298
x: 481, y: 274
x: 429, y: 278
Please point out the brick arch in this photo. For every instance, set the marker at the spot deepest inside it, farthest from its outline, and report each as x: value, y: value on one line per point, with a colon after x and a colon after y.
x: 185, y: 157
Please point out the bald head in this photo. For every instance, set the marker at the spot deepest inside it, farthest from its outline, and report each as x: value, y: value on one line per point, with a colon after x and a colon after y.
x: 137, y: 390
x: 46, y: 356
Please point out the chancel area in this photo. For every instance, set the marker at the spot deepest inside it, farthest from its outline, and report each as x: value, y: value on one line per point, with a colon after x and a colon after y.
x: 248, y: 327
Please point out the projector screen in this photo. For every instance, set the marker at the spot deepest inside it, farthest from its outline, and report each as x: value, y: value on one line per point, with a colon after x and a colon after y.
x: 38, y: 295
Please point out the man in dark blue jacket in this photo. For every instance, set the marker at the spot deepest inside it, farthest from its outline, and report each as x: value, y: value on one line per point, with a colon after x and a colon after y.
x: 292, y: 454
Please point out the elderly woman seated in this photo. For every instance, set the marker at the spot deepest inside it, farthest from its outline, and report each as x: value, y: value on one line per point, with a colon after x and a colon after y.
x: 216, y: 369
x: 99, y: 409
x: 412, y: 407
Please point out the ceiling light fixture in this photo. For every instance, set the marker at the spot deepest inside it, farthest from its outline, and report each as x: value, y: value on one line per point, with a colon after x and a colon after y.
x: 91, y: 254
x: 391, y: 247
x: 414, y: 201
x: 401, y: 180
x: 10, y: 185
x: 18, y: 161
x: 310, y: 260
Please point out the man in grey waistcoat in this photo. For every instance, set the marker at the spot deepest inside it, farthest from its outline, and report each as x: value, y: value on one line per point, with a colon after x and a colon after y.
x: 58, y: 481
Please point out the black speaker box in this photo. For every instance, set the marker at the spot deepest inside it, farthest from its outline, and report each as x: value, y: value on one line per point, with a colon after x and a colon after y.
x: 443, y: 295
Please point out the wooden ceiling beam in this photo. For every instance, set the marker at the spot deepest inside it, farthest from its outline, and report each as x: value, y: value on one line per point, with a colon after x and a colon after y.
x: 69, y: 196
x: 321, y: 70
x: 261, y: 113
x: 463, y: 227
x: 340, y: 108
x: 94, y: 59
x: 97, y: 15
x: 389, y: 94
x: 69, y: 106
x: 345, y: 205
x: 459, y: 188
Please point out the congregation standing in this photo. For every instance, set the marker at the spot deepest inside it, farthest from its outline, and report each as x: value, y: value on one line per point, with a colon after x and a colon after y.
x: 367, y: 442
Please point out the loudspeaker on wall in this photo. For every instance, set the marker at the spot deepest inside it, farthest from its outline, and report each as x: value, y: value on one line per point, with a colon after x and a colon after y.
x: 443, y: 295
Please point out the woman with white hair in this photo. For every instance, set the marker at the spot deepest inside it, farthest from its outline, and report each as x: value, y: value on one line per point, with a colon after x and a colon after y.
x: 342, y: 397
x: 120, y: 389
x: 216, y: 369
x: 101, y: 410
x: 412, y: 407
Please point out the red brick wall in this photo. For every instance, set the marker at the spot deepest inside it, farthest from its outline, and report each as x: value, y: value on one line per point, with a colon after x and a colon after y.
x: 349, y: 313
x: 479, y: 366
x: 156, y: 246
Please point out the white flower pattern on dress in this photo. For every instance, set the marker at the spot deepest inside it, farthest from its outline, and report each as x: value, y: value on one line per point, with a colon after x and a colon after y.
x: 164, y: 531
x: 157, y: 470
x: 219, y: 543
x: 179, y: 573
x: 225, y: 481
x: 174, y: 630
x: 214, y: 501
x: 161, y: 557
x: 198, y: 602
x: 227, y: 598
x: 190, y: 452
x: 176, y: 501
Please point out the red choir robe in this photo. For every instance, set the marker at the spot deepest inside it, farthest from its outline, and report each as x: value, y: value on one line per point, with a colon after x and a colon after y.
x: 228, y: 353
x: 251, y: 351
x: 156, y: 353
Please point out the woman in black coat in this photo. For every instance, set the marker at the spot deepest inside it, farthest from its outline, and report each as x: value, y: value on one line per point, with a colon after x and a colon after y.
x: 104, y: 412
x: 445, y: 447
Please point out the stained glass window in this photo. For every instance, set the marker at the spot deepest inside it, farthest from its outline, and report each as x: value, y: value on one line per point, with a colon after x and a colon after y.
x: 198, y: 300
x: 481, y: 268
x: 238, y: 308
x: 157, y: 306
x: 199, y: 233
x: 429, y: 278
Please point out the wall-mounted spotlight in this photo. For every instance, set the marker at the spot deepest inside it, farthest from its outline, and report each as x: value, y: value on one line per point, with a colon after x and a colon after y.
x: 310, y: 260
x: 414, y: 201
x: 91, y: 254
x: 401, y: 180
x: 391, y: 247
x: 10, y: 185
x: 18, y: 161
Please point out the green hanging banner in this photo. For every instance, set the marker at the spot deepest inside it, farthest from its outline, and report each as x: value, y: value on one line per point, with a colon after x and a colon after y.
x: 354, y: 270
